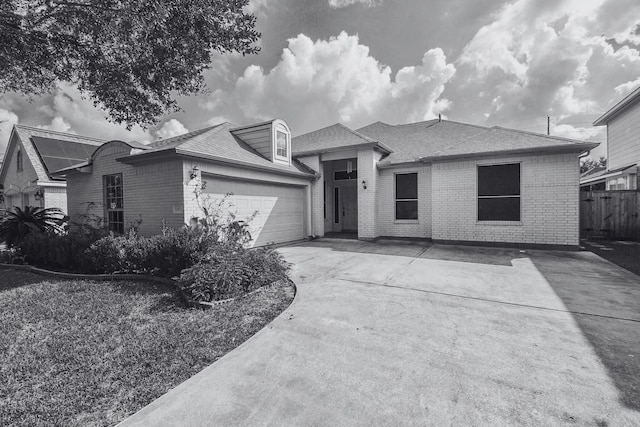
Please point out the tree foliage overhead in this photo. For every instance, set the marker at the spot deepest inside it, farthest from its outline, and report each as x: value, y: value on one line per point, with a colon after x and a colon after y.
x: 132, y: 57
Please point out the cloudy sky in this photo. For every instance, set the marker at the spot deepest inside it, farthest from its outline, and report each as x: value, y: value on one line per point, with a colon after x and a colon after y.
x: 486, y: 62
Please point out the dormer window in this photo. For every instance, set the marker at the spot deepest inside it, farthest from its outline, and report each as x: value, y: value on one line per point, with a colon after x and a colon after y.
x: 281, y: 145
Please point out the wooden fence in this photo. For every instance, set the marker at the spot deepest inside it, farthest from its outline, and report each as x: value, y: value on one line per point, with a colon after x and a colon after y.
x: 610, y: 214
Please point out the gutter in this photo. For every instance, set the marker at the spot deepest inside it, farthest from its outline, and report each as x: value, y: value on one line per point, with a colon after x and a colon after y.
x: 377, y: 145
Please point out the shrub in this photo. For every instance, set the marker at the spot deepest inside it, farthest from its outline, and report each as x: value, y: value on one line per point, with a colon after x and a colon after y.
x: 164, y: 255
x: 56, y: 251
x: 228, y: 273
x: 17, y: 224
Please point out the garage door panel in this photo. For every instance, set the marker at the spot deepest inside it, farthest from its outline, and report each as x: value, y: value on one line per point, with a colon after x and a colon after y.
x: 280, y: 209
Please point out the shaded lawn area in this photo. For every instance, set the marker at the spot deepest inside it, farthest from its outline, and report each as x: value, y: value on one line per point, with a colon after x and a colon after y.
x: 623, y: 254
x: 92, y: 353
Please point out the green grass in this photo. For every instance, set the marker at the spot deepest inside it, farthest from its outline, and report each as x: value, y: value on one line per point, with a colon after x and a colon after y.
x: 92, y: 353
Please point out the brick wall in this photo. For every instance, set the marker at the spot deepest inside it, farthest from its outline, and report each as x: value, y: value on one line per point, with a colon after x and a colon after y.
x: 317, y: 195
x: 56, y: 197
x: 549, y: 202
x: 367, y: 198
x: 152, y: 193
x: 388, y: 226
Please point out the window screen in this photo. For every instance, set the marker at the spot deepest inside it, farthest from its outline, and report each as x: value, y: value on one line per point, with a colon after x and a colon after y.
x: 499, y: 192
x: 406, y: 196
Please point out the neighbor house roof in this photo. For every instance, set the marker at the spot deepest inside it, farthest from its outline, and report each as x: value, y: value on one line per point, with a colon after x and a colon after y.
x: 606, y: 174
x: 217, y: 143
x: 49, y: 150
x: 622, y: 105
x: 331, y: 138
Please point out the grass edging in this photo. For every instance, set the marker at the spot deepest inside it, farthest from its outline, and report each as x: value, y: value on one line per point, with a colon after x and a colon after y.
x: 146, y: 277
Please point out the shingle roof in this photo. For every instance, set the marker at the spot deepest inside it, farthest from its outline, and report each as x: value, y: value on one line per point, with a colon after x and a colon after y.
x: 498, y: 139
x: 218, y: 142
x: 625, y: 102
x: 432, y: 139
x: 332, y: 137
x: 26, y: 132
x: 413, y: 141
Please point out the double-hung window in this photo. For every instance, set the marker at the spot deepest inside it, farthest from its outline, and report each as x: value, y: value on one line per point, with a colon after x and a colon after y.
x: 406, y: 196
x: 281, y: 144
x: 114, y: 202
x: 499, y: 192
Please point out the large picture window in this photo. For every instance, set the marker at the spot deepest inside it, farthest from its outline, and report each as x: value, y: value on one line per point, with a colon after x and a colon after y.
x: 406, y: 196
x: 499, y: 192
x: 114, y: 202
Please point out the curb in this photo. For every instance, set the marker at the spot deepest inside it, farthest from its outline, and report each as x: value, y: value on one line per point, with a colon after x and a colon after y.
x: 145, y: 277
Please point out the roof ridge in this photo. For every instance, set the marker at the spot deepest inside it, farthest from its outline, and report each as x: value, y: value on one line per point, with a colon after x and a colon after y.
x: 163, y: 142
x: 55, y: 132
x: 559, y: 138
x: 358, y: 134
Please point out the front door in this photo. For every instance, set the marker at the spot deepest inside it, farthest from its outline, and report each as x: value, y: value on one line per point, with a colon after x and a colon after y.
x: 350, y: 208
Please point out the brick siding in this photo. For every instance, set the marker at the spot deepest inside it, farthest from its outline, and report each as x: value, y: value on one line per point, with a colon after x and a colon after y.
x: 549, y: 202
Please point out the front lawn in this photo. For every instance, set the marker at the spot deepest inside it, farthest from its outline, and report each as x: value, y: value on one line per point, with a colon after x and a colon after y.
x: 92, y: 353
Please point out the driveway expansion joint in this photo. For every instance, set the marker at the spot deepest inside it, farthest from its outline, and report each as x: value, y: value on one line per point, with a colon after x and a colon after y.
x: 534, y: 307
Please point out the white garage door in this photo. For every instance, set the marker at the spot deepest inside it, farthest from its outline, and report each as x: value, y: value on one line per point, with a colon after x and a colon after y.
x: 280, y: 209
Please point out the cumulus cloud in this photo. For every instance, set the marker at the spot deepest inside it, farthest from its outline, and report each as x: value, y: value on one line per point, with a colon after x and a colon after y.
x: 78, y: 115
x: 539, y: 58
x: 322, y: 82
x: 170, y: 129
x: 7, y: 120
x: 58, y: 124
x: 344, y: 3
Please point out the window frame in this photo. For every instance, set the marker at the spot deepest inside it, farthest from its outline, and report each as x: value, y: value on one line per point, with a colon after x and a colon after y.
x: 19, y: 161
x: 286, y: 146
x: 116, y: 226
x: 518, y: 196
x: 396, y: 199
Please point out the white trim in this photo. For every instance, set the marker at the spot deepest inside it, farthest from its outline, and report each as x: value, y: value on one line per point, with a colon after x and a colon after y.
x: 396, y: 200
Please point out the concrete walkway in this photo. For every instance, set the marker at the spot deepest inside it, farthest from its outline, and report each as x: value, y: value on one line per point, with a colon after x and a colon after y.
x: 405, y: 334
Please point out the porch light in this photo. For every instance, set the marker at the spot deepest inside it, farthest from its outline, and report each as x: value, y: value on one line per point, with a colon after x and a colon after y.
x: 39, y: 194
x: 364, y: 184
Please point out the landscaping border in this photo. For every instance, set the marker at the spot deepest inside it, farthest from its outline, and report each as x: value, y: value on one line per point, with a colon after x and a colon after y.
x: 145, y: 277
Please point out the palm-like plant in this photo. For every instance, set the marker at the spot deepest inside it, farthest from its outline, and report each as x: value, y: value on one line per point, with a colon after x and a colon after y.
x: 14, y: 226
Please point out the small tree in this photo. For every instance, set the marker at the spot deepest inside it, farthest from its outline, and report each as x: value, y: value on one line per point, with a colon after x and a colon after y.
x: 14, y: 226
x: 588, y: 164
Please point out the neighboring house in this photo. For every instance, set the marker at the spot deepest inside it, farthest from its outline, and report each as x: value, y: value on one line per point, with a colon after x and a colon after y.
x: 440, y: 180
x: 623, y: 147
x: 32, y: 155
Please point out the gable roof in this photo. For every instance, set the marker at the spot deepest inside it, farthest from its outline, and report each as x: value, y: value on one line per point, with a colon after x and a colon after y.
x: 413, y: 141
x: 332, y: 138
x: 623, y: 104
x: 219, y: 144
x: 47, y: 149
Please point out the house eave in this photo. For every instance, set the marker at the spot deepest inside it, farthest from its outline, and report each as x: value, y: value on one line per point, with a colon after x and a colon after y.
x: 244, y: 165
x: 621, y: 106
x: 559, y: 149
x: 375, y: 145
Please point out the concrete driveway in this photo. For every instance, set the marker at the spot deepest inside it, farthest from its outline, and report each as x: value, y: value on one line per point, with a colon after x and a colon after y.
x: 404, y: 334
